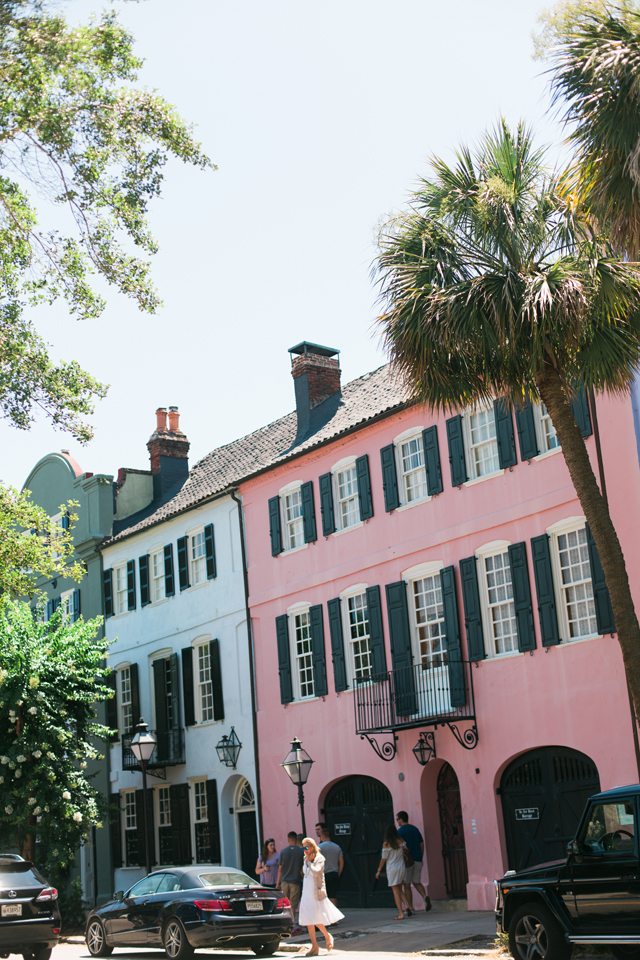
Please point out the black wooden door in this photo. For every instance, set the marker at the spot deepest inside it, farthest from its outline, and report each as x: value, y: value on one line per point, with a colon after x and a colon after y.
x: 454, y: 856
x: 358, y: 810
x: 248, y: 842
x: 543, y: 796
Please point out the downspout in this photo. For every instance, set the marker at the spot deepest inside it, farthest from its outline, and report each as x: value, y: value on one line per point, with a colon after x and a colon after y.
x: 254, y: 714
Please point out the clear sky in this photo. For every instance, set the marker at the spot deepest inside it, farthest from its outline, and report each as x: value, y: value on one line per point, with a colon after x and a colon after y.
x: 320, y: 118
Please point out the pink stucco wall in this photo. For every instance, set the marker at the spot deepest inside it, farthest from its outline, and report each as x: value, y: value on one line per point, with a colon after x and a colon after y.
x: 573, y: 695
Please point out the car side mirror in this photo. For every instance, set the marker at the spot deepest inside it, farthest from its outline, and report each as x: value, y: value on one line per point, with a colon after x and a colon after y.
x: 573, y: 848
x: 118, y: 895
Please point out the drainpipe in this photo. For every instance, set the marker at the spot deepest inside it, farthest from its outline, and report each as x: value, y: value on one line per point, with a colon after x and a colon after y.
x: 254, y: 714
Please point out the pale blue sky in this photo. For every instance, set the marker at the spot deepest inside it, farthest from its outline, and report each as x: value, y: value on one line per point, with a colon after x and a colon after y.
x: 320, y: 117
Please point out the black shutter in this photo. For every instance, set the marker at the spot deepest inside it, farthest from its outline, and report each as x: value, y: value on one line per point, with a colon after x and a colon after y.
x: 326, y: 504
x: 364, y: 487
x: 543, y: 575
x: 175, y: 690
x: 522, y: 596
x: 160, y: 698
x: 389, y: 478
x: 56, y: 603
x: 116, y: 830
x: 580, y: 407
x: 76, y: 606
x: 401, y: 653
x: 602, y: 600
x: 50, y: 609
x: 107, y: 590
x: 187, y: 687
x: 452, y: 631
x: 143, y: 567
x: 504, y: 434
x: 318, y: 658
x: 216, y: 680
x: 432, y: 461
x: 274, y: 526
x: 140, y: 830
x: 376, y: 633
x: 455, y: 440
x: 183, y: 563
x: 131, y: 585
x: 112, y: 704
x: 525, y: 423
x: 284, y: 659
x: 337, y: 645
x: 210, y: 551
x: 471, y: 603
x: 169, y: 579
x: 180, y: 823
x: 135, y: 695
x: 308, y: 513
x: 214, y: 822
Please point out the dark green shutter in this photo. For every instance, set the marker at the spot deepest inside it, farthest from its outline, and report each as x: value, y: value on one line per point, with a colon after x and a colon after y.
x: 56, y: 603
x: 601, y: 598
x: 210, y: 551
x: 187, y: 687
x: 131, y: 585
x: 455, y: 441
x: 160, y: 697
x: 526, y: 426
x: 471, y: 603
x: 64, y: 521
x: 308, y: 513
x: 274, y: 526
x: 376, y: 633
x: 326, y: 504
x: 115, y: 816
x: 183, y: 563
x: 543, y: 576
x: 216, y: 680
x: 169, y: 579
x: 135, y: 695
x: 389, y: 478
x: 107, y: 591
x: 401, y: 653
x: 580, y: 407
x: 364, y: 487
x: 284, y: 658
x: 318, y: 656
x: 76, y: 606
x: 432, y: 461
x: 214, y: 822
x: 337, y: 645
x: 143, y: 567
x: 522, y: 596
x: 140, y: 828
x: 50, y: 608
x: 112, y: 704
x: 452, y: 631
x: 175, y: 690
x: 504, y: 434
x: 180, y: 823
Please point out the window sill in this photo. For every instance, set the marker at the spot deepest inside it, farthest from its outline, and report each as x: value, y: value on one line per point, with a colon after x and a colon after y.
x: 547, y: 454
x: 286, y: 553
x: 194, y: 586
x: 414, y: 503
x: 156, y: 603
x: 507, y: 656
x: 570, y: 643
x: 488, y: 476
x: 117, y: 616
x: 354, y: 526
x: 203, y: 723
x: 304, y: 700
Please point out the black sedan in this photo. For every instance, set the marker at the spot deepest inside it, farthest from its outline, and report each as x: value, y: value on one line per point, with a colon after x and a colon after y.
x: 29, y: 915
x: 184, y: 908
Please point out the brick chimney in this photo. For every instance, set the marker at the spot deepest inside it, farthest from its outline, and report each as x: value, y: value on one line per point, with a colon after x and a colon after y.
x: 168, y: 450
x: 316, y: 374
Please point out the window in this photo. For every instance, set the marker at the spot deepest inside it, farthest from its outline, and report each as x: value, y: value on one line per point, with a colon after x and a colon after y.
x: 547, y: 439
x: 200, y: 799
x: 126, y: 701
x: 482, y: 446
x: 164, y: 807
x: 165, y: 833
x: 293, y: 522
x: 610, y: 828
x: 359, y: 639
x: 66, y: 603
x: 205, y: 686
x: 348, y: 512
x: 157, y: 576
x: 121, y: 598
x: 428, y: 612
x: 198, y: 558
x: 576, y: 589
x: 130, y: 829
x: 496, y: 596
x: 413, y: 477
x: 303, y: 659
x: 201, y: 821
x: 130, y: 822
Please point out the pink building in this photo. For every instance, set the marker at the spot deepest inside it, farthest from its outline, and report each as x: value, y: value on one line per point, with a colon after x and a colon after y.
x: 430, y: 619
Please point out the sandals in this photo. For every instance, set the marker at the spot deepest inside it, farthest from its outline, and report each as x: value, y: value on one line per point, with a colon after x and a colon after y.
x: 330, y: 945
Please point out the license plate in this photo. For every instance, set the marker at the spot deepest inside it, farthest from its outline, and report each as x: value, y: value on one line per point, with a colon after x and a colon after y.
x: 11, y: 909
x: 254, y: 906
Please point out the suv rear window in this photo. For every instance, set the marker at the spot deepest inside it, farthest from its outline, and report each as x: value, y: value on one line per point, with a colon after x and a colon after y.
x: 12, y: 874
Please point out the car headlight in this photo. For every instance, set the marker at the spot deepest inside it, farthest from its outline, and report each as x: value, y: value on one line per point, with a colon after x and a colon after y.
x: 499, y: 902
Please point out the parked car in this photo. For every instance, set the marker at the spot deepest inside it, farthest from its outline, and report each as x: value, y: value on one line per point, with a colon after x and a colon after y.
x: 591, y: 897
x: 183, y: 908
x: 29, y: 914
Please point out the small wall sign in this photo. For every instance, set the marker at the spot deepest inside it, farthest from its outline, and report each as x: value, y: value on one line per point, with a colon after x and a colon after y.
x: 342, y: 829
x: 527, y: 813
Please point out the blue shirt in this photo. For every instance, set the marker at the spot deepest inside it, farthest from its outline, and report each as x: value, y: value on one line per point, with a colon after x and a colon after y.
x: 413, y: 838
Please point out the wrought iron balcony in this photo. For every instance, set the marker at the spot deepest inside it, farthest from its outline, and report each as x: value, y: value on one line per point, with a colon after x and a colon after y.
x: 168, y: 752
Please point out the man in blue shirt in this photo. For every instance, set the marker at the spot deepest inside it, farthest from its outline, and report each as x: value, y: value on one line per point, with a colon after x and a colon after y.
x: 413, y: 839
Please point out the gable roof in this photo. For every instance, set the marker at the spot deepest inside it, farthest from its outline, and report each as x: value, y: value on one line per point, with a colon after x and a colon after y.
x: 376, y: 394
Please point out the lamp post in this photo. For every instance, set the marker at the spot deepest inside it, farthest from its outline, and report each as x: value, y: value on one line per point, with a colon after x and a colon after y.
x: 298, y: 764
x: 142, y: 747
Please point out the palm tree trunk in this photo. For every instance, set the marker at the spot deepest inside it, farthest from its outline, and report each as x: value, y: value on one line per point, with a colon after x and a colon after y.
x: 597, y: 514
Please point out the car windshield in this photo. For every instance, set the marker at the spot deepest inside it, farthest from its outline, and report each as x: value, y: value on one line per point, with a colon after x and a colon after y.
x: 227, y: 878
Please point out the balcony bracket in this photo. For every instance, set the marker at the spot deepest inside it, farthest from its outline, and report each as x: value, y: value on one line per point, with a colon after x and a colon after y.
x: 159, y: 772
x: 468, y: 738
x: 387, y: 750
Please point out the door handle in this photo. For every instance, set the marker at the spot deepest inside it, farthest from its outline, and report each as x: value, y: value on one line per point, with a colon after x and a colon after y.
x: 144, y: 902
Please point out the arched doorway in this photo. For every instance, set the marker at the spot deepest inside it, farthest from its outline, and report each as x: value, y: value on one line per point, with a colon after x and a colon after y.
x: 454, y: 856
x: 358, y: 810
x: 246, y: 832
x: 543, y: 795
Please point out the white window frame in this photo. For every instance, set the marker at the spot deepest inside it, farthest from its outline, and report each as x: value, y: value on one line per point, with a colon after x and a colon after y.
x: 117, y: 569
x: 66, y: 604
x: 346, y: 463
x: 554, y: 531
x: 57, y: 519
x: 192, y: 561
x: 541, y: 436
x: 295, y: 485
x: 122, y: 728
x: 160, y: 812
x: 200, y: 644
x: 293, y: 612
x: 154, y: 552
x: 420, y: 571
x: 356, y: 590
x: 468, y: 446
x: 130, y: 820
x: 158, y: 825
x: 193, y: 787
x: 493, y: 549
x: 414, y: 433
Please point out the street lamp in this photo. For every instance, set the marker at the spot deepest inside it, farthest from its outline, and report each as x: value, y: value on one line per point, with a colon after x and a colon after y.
x: 142, y: 747
x: 425, y: 748
x: 298, y: 763
x: 228, y: 749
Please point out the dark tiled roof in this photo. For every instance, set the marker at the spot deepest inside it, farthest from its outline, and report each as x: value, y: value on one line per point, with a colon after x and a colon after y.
x: 364, y: 399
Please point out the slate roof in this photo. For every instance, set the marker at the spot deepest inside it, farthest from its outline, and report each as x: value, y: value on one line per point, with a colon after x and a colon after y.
x: 365, y: 399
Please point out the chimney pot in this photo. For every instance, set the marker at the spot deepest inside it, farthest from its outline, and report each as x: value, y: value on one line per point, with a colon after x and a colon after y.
x: 174, y: 420
x: 161, y: 416
x: 316, y: 374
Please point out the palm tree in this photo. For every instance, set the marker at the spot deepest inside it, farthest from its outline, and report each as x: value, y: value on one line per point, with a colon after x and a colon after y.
x: 493, y: 286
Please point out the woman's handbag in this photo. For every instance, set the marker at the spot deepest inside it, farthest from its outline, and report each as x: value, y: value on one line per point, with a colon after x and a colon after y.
x: 406, y: 855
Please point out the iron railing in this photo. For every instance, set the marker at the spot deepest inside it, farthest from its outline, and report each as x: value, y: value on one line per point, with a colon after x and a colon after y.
x: 168, y: 752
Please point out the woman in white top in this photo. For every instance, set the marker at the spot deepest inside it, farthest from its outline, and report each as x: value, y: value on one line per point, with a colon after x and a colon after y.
x: 393, y: 855
x: 316, y: 910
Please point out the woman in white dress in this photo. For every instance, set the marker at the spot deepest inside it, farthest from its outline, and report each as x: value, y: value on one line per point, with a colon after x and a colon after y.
x: 316, y: 910
x: 393, y: 856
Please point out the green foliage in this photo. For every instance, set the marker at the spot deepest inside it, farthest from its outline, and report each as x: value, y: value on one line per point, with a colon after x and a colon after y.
x: 49, y: 686
x: 70, y: 902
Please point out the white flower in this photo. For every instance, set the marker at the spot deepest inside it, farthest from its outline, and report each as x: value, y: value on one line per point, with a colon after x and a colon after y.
x: 12, y: 719
x: 37, y: 754
x: 22, y: 759
x: 31, y: 801
x: 3, y: 676
x: 55, y: 852
x: 18, y: 773
x: 12, y: 765
x: 77, y: 817
x: 1, y: 779
x: 4, y: 760
x: 9, y: 810
x: 51, y: 755
x: 46, y: 809
x: 40, y: 695
x: 33, y: 710
x: 66, y: 795
x: 83, y: 766
x: 12, y: 713
x: 36, y: 811
x: 33, y: 682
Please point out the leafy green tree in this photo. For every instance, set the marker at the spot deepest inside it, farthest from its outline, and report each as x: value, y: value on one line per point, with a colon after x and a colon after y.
x: 493, y: 286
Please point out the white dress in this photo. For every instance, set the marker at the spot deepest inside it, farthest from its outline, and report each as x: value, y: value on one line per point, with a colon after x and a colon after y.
x: 314, y: 911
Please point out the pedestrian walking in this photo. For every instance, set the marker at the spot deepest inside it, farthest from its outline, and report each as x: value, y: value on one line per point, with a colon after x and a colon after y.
x: 415, y: 842
x: 393, y: 850
x: 267, y: 865
x: 290, y: 873
x: 333, y: 866
x: 319, y: 828
x: 316, y: 910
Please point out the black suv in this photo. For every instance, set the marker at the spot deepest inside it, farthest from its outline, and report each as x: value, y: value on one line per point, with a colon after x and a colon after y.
x: 29, y: 915
x: 591, y: 897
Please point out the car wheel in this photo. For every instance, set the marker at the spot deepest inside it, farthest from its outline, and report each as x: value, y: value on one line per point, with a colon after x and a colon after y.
x: 625, y: 951
x: 266, y: 949
x: 534, y: 934
x: 176, y: 945
x: 96, y: 940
